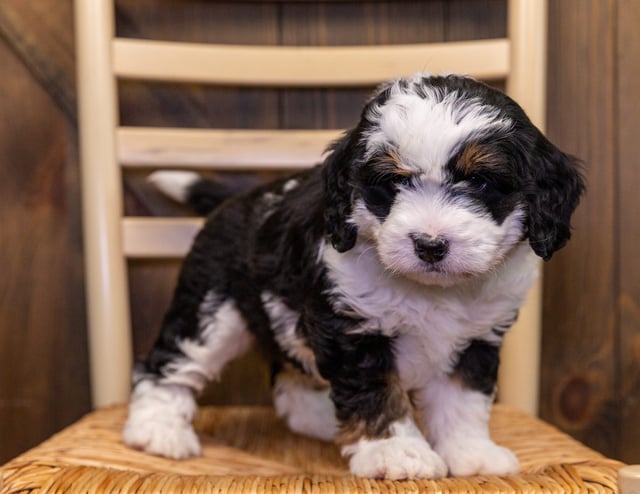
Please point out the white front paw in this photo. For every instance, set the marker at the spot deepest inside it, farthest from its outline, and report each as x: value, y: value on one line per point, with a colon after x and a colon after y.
x: 395, y: 458
x: 159, y: 421
x: 477, y: 456
x: 171, y: 437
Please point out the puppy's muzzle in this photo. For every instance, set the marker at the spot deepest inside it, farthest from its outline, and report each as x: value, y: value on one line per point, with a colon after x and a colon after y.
x: 428, y: 248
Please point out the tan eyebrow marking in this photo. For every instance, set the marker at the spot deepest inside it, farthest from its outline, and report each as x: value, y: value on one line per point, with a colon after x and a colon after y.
x: 390, y: 162
x: 476, y: 157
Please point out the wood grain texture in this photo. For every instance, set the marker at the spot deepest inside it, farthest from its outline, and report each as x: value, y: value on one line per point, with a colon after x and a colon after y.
x: 628, y: 182
x: 311, y: 66
x: 462, y: 19
x: 232, y: 150
x: 43, y: 357
x: 194, y: 105
x: 42, y: 37
x: 579, y: 320
x: 349, y: 23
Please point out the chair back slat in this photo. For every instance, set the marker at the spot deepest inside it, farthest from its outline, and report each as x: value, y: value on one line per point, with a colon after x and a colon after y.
x: 235, y: 149
x: 293, y: 66
x: 158, y: 238
x: 107, y: 149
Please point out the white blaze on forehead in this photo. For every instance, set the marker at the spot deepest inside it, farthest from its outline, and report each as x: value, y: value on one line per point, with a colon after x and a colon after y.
x: 425, y: 132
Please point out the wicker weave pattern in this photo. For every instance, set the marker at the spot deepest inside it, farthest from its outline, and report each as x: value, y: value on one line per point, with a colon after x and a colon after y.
x: 249, y: 450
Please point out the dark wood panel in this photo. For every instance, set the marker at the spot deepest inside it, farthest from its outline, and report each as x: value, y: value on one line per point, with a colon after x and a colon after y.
x: 322, y: 24
x: 197, y: 105
x: 628, y: 106
x: 43, y: 357
x: 350, y: 23
x: 43, y: 39
x: 198, y: 21
x: 579, y: 341
x: 362, y: 23
x: 475, y: 19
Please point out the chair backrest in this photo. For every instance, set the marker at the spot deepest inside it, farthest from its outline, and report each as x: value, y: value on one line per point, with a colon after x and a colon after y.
x: 106, y: 148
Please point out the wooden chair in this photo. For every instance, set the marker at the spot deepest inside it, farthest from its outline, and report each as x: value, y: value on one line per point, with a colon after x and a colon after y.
x: 248, y: 450
x: 107, y: 148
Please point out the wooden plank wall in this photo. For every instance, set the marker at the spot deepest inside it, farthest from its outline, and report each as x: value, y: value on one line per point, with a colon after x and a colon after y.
x: 579, y: 344
x: 591, y: 341
x: 627, y: 104
x: 43, y: 357
x: 591, y: 357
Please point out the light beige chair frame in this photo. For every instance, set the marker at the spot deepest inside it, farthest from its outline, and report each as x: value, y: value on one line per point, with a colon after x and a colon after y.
x: 106, y: 147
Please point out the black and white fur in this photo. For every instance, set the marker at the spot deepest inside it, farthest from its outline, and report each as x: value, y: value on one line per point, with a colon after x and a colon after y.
x: 379, y: 284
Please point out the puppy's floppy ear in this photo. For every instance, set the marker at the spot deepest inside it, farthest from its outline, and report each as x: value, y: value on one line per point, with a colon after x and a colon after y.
x: 557, y: 184
x: 338, y: 194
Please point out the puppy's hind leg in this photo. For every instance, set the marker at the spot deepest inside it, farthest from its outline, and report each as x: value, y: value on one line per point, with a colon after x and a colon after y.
x: 192, y: 349
x: 305, y: 404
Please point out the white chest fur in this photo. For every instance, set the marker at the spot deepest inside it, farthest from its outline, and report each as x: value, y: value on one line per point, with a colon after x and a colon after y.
x: 431, y: 324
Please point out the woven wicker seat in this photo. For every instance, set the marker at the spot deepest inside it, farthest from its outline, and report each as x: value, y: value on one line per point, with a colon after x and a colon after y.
x: 250, y: 450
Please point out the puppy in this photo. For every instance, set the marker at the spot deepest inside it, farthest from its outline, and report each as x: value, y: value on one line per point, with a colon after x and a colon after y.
x: 380, y: 283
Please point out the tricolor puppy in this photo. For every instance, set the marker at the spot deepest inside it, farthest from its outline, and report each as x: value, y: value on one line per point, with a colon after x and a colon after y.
x: 380, y: 283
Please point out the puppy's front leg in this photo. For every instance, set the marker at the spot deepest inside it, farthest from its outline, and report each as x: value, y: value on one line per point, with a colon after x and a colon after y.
x: 377, y: 430
x: 456, y: 410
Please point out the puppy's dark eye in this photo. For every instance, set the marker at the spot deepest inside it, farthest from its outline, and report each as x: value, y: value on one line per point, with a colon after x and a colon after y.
x: 403, y: 181
x: 478, y: 182
x: 380, y: 190
x: 390, y: 180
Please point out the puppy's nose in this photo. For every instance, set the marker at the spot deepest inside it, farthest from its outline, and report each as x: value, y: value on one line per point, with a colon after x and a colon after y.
x: 428, y: 248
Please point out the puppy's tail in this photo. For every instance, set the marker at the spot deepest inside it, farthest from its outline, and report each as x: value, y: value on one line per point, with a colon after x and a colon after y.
x: 191, y: 188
